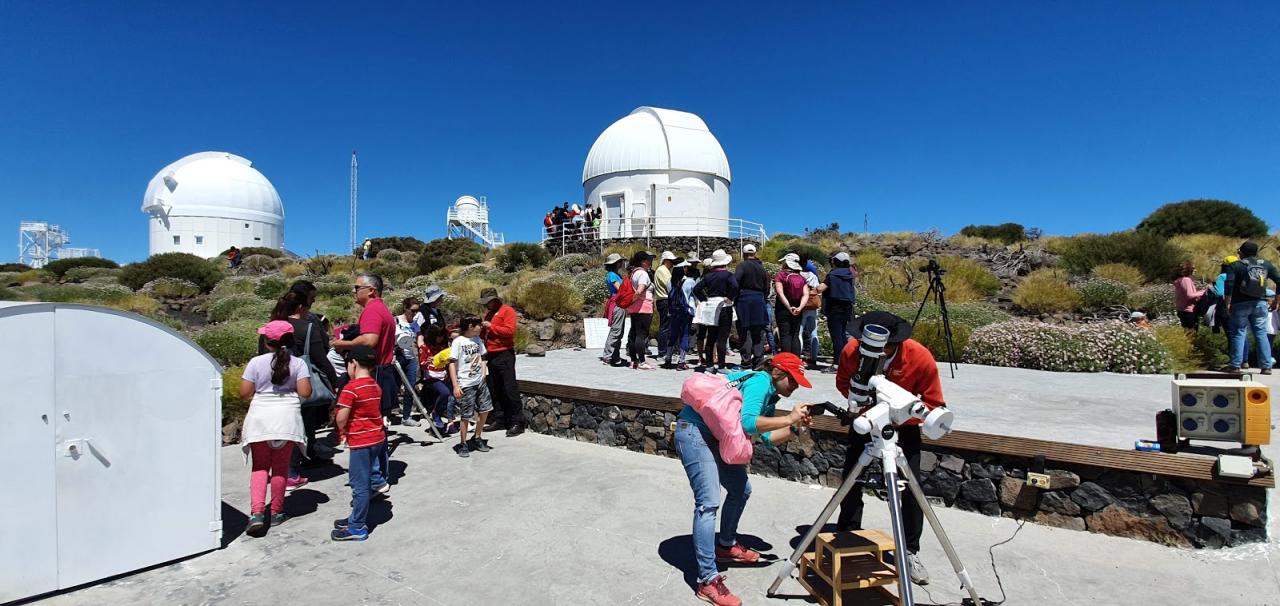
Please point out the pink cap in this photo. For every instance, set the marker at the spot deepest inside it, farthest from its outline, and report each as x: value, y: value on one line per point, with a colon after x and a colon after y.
x: 275, y: 329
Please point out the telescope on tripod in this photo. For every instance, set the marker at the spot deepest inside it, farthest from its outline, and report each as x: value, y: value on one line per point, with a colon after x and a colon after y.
x: 877, y: 407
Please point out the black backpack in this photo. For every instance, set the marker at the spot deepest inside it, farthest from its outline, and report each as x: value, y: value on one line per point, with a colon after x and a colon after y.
x: 1252, y: 281
x: 1210, y: 298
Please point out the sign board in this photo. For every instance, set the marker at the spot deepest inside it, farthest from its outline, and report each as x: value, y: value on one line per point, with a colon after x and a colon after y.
x: 597, y: 331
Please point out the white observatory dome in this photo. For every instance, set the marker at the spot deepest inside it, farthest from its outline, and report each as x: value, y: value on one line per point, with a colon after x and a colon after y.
x: 652, y: 138
x: 210, y: 201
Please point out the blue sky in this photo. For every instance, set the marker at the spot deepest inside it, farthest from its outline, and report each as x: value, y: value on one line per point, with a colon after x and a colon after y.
x: 1070, y: 116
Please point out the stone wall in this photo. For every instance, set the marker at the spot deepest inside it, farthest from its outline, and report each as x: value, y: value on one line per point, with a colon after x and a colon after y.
x: 677, y: 244
x: 1173, y: 511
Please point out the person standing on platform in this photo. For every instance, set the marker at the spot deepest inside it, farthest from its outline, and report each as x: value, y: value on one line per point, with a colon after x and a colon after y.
x: 641, y: 310
x: 430, y: 313
x: 809, y: 315
x: 661, y: 292
x: 792, y: 293
x: 753, y: 318
x: 377, y: 331
x: 716, y: 292
x: 912, y: 367
x: 681, y: 317
x: 500, y: 346
x: 359, y: 421
x: 407, y: 330
x: 1247, y: 303
x: 837, y: 304
x: 616, y: 314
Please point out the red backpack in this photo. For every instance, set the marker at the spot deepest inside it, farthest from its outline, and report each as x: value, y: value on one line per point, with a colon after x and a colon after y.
x: 626, y: 293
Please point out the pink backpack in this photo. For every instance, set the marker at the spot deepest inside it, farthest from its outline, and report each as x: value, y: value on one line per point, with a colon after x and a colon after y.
x: 719, y: 403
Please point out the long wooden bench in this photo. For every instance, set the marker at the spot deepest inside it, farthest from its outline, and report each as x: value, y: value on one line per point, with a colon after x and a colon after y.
x: 1186, y: 465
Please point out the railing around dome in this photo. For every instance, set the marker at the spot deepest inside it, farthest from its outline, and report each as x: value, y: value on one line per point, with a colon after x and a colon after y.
x: 599, y: 233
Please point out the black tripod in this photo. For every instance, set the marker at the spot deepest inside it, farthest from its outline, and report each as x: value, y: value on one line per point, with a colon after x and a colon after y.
x: 938, y: 289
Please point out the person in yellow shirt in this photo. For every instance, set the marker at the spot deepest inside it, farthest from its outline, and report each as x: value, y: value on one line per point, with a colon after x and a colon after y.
x: 661, y: 300
x: 435, y: 376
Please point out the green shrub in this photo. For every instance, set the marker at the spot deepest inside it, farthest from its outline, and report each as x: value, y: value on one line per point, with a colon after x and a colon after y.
x: 11, y: 294
x: 1098, y: 293
x: 398, y: 243
x: 1155, y: 256
x: 1211, y: 347
x: 60, y: 267
x: 249, y: 251
x: 239, y: 307
x: 231, y: 344
x: 566, y: 263
x: 339, y: 309
x: 462, y: 297
x: 9, y: 278
x: 234, y: 285
x: 418, y: 284
x: 961, y: 270
x: 270, y: 287
x: 389, y: 254
x: 258, y: 264
x: 31, y: 275
x: 15, y: 267
x: 1156, y: 300
x: 444, y: 252
x: 85, y: 274
x: 866, y: 302
x: 521, y: 255
x: 394, y: 272
x: 171, y: 265
x: 1204, y: 217
x: 171, y: 287
x: 590, y: 284
x: 971, y: 315
x: 1097, y: 347
x: 1007, y: 233
x: 551, y: 297
x: 522, y: 339
x: 800, y: 247
x: 1045, y: 291
x: 1119, y: 272
x: 931, y: 335
x: 234, y: 408
x: 1181, y: 345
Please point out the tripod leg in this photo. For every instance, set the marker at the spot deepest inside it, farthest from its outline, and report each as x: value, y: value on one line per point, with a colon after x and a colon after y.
x: 905, y: 598
x: 417, y: 403
x: 956, y: 564
x: 850, y: 481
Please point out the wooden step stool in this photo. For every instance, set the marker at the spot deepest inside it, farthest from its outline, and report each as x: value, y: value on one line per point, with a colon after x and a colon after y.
x: 846, y: 562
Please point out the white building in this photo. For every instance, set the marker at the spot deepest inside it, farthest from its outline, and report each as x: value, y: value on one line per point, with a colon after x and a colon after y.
x: 660, y: 172
x: 468, y: 219
x: 208, y: 202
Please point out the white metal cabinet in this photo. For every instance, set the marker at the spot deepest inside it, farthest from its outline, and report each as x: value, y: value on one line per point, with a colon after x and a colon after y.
x: 128, y: 475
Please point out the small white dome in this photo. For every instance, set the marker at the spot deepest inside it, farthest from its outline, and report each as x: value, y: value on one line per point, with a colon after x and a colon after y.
x: 213, y: 184
x: 466, y: 201
x: 652, y: 138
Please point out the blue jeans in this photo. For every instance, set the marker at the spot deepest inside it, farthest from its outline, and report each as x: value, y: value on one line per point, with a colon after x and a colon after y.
x: 360, y: 473
x: 768, y: 330
x: 707, y: 473
x: 1246, y: 316
x: 410, y: 366
x: 809, y: 333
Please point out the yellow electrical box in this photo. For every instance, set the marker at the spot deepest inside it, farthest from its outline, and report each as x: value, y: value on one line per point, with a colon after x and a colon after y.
x: 1224, y: 410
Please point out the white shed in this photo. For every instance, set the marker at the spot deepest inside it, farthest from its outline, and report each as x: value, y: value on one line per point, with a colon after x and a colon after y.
x: 110, y: 427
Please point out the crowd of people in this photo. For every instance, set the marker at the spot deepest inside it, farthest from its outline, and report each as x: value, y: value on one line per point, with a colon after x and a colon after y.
x: 573, y: 221
x: 357, y: 377
x: 700, y: 304
x: 1238, y: 302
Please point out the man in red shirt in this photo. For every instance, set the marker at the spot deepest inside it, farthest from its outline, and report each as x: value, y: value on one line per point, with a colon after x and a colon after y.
x: 378, y: 332
x: 912, y: 367
x: 500, y: 343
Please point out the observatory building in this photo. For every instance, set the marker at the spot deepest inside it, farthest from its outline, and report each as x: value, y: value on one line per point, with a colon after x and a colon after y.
x: 208, y: 202
x: 659, y: 172
x: 468, y: 219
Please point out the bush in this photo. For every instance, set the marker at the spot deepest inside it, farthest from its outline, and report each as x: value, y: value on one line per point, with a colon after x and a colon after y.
x: 31, y: 275
x: 11, y: 294
x: 9, y: 278
x: 171, y: 287
x: 258, y: 264
x: 234, y: 285
x: 234, y: 408
x: 1098, y: 293
x: 590, y: 284
x: 1181, y: 346
x: 462, y: 297
x: 270, y: 287
x: 1155, y: 256
x: 60, y: 267
x: 85, y: 274
x: 239, y: 307
x: 1045, y: 291
x: 394, y: 272
x: 966, y: 280
x: 231, y: 344
x: 971, y: 315
x: 1156, y: 300
x: 522, y: 339
x: 1118, y: 272
x: 521, y: 255
x: 800, y: 247
x: 931, y: 335
x: 1098, y: 347
x: 1007, y: 233
x: 397, y: 243
x: 444, y: 252
x: 550, y: 297
x: 566, y: 263
x: 171, y: 265
x: 293, y: 269
x: 417, y: 284
x: 1204, y: 217
x: 249, y: 251
x: 389, y: 254
x: 15, y: 267
x: 340, y: 309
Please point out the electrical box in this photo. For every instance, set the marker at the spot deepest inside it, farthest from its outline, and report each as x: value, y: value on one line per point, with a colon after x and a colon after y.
x: 1223, y: 410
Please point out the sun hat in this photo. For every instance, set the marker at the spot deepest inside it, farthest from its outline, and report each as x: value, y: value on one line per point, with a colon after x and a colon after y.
x: 720, y: 258
x: 749, y: 249
x: 841, y: 256
x: 275, y: 329
x: 707, y: 262
x: 899, y: 329
x: 682, y: 264
x: 432, y: 293
x: 668, y: 256
x: 693, y: 260
x: 613, y: 258
x: 792, y: 365
x: 487, y: 295
x: 791, y: 260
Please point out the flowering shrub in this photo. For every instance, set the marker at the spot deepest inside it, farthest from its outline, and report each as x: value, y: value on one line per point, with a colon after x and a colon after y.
x: 1098, y: 347
x: 590, y: 284
x: 271, y: 287
x: 232, y: 344
x: 171, y: 287
x: 246, y: 307
x: 1045, y: 291
x: 234, y: 285
x: 1156, y: 299
x: 418, y: 284
x: 566, y: 263
x: 1098, y: 293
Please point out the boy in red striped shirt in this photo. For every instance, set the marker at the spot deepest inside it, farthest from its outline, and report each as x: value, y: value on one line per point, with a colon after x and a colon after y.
x: 359, y: 419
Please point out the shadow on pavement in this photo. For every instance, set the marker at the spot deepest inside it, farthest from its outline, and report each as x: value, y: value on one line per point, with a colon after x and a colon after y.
x: 304, y: 501
x: 234, y: 522
x: 678, y: 552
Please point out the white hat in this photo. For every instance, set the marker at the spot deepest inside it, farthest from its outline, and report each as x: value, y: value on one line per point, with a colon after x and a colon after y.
x: 667, y: 256
x: 791, y: 260
x: 720, y: 258
x: 613, y: 258
x: 841, y: 256
x: 1137, y: 315
x: 682, y: 264
x: 749, y: 249
x: 692, y: 260
x: 433, y: 293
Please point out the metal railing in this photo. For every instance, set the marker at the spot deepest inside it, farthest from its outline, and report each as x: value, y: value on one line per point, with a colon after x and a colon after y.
x: 648, y: 228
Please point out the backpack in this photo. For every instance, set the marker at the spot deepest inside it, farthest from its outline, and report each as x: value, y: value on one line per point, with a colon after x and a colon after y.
x: 1209, y: 299
x: 719, y: 403
x: 626, y: 293
x: 1255, y: 284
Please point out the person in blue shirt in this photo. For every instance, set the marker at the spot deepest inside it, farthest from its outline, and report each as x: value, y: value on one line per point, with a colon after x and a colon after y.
x: 707, y: 472
x: 616, y: 314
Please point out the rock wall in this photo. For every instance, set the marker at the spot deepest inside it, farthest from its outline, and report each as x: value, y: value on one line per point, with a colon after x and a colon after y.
x: 678, y: 244
x: 1173, y: 511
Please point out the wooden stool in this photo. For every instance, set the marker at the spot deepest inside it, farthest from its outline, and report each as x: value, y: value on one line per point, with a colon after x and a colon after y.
x: 845, y: 562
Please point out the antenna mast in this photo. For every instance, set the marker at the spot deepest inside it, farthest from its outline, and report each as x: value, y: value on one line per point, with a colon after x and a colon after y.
x: 354, y: 168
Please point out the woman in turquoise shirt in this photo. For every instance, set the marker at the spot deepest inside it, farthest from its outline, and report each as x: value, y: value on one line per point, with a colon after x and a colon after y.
x: 700, y: 454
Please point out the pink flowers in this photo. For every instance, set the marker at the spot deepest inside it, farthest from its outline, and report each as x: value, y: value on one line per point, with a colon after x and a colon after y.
x: 1099, y: 347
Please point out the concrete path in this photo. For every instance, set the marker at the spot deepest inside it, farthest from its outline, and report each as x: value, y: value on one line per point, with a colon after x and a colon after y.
x: 542, y: 520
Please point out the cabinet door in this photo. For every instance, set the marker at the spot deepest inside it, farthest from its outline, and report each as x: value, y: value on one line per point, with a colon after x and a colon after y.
x: 28, y: 564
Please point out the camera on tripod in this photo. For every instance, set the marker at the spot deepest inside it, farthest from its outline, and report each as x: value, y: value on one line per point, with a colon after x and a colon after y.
x: 932, y: 267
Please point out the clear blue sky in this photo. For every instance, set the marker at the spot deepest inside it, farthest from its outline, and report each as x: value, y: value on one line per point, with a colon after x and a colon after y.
x: 1070, y: 116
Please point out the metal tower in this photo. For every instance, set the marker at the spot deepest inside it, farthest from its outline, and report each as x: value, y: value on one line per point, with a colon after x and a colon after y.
x: 40, y: 242
x: 354, y: 169
x: 468, y: 218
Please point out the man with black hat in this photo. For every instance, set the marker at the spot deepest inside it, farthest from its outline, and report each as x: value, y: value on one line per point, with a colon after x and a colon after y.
x: 911, y: 366
x: 1246, y: 300
x: 500, y: 344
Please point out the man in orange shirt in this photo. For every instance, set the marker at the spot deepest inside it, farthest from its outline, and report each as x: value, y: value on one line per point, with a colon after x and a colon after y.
x: 500, y: 343
x: 912, y: 367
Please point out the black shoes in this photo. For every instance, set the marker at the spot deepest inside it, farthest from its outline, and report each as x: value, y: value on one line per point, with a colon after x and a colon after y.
x: 515, y: 430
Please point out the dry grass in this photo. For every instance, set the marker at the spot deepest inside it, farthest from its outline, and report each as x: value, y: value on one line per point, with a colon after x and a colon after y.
x: 1119, y: 272
x: 1046, y: 291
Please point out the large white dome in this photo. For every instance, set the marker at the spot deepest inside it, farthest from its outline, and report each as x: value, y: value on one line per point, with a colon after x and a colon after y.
x: 213, y: 184
x: 652, y: 138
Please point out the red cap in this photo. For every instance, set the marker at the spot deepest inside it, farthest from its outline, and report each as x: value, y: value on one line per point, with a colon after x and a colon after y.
x: 275, y: 329
x: 792, y: 365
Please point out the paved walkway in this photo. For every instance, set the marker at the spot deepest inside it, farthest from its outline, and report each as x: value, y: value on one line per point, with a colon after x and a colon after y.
x: 542, y: 520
